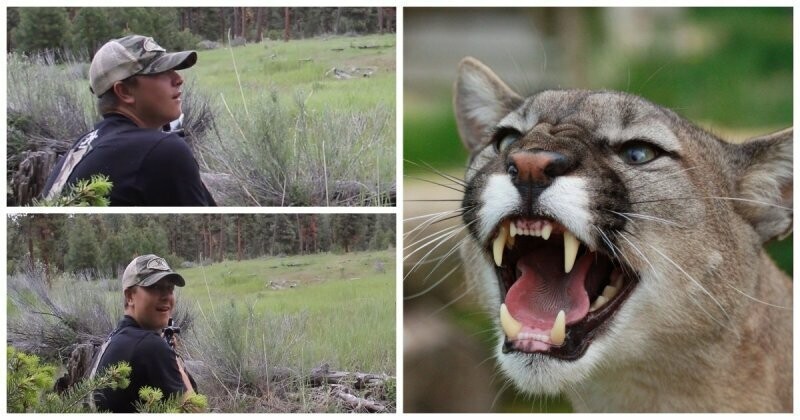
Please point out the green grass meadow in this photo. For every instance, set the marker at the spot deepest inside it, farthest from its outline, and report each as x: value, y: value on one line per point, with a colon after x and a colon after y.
x: 277, y: 65
x: 349, y: 304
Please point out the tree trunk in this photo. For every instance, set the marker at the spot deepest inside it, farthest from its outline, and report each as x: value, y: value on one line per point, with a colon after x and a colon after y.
x: 259, y: 24
x: 243, y: 15
x: 190, y: 19
x: 236, y: 22
x: 30, y: 244
x: 222, y: 23
x: 380, y: 20
x: 286, y: 24
x: 44, y: 232
x: 336, y: 20
x: 238, y: 238
x: 300, y: 233
x: 221, y: 237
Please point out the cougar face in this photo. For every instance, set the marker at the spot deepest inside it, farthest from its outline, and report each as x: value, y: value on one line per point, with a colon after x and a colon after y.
x: 621, y: 246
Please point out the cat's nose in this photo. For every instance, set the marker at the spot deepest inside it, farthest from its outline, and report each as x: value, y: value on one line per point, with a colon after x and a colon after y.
x: 538, y: 167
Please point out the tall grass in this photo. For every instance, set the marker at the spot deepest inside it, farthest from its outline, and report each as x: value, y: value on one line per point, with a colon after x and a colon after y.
x: 288, y: 155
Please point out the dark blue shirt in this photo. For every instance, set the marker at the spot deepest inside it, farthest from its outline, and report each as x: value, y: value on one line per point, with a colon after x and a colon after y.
x: 147, y: 167
x: 152, y: 361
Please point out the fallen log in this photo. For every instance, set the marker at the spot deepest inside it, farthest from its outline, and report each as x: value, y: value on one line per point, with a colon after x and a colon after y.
x: 356, y: 403
x: 322, y: 375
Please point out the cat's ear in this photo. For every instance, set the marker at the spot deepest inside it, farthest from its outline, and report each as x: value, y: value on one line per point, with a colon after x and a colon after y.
x: 764, y: 183
x: 480, y: 100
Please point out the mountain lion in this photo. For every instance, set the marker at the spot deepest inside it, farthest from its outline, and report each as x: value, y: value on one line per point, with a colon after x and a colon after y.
x: 620, y: 247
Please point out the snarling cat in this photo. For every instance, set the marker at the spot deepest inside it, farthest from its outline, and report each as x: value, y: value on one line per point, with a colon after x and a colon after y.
x: 621, y: 248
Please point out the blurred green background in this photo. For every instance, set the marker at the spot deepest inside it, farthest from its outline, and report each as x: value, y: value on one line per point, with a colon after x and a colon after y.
x: 729, y: 70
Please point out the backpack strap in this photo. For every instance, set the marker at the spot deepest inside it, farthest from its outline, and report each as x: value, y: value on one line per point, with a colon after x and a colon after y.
x: 96, y: 363
x: 73, y: 157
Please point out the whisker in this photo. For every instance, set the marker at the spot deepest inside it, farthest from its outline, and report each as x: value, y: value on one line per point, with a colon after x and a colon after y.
x: 764, y: 203
x: 441, y: 213
x: 454, y: 300
x: 724, y: 312
x: 434, y: 200
x: 438, y: 172
x: 449, y: 187
x: 628, y: 269
x: 608, y: 242
x: 442, y: 260
x: 436, y: 235
x: 759, y: 301
x: 447, y: 176
x: 441, y: 239
x: 648, y: 217
x: 431, y: 287
x: 420, y: 229
x: 431, y: 219
x: 638, y: 251
x: 503, y: 388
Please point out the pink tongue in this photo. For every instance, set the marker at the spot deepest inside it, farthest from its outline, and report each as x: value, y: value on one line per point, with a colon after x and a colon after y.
x: 544, y: 289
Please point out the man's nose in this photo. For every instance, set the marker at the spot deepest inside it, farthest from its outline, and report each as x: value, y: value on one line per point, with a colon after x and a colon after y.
x: 177, y: 79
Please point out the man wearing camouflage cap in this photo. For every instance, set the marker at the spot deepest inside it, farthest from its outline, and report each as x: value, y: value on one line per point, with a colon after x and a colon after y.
x: 148, y: 284
x: 139, y: 92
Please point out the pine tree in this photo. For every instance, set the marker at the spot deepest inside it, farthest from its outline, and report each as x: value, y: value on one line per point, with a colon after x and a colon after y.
x: 42, y: 28
x: 83, y: 249
x: 91, y: 29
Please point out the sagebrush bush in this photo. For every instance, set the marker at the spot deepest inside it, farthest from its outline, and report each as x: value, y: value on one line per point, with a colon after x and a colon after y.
x: 244, y: 352
x: 50, y: 104
x: 288, y: 155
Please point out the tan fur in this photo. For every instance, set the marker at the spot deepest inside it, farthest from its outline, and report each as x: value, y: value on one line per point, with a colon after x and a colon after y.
x: 709, y: 326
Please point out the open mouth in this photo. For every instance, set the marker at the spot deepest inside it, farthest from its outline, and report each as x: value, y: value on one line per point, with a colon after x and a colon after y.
x: 558, y: 295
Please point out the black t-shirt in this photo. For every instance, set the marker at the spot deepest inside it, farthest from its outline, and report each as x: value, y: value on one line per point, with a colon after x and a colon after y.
x: 152, y: 363
x: 147, y: 167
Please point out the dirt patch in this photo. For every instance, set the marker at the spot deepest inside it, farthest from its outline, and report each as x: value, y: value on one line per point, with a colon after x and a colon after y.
x: 384, y: 62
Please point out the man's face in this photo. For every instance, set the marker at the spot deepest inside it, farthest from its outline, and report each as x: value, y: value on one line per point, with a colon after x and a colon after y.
x: 152, y: 306
x: 158, y: 98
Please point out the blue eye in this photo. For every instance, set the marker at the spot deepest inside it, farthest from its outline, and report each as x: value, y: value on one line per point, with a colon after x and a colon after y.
x: 505, y: 139
x: 638, y: 153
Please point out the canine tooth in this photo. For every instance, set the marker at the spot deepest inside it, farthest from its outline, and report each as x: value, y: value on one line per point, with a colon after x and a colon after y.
x: 512, y: 230
x: 571, y: 245
x: 598, y: 303
x: 511, y: 326
x: 499, y: 243
x: 609, y: 292
x: 559, y: 331
x: 546, y: 231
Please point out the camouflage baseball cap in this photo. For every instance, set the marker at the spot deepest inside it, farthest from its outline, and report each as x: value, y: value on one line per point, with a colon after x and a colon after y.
x: 147, y: 270
x: 121, y: 58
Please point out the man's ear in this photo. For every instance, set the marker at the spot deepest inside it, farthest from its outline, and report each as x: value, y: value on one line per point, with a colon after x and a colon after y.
x: 123, y: 92
x: 765, y: 182
x: 480, y: 100
x: 129, y: 296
